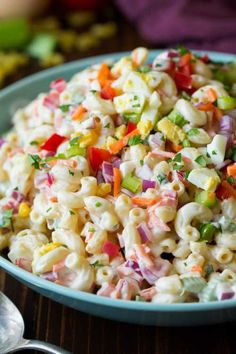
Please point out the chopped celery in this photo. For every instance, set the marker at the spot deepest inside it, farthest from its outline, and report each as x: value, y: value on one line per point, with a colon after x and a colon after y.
x: 226, y: 102
x: 206, y: 198
x: 131, y: 183
x: 194, y: 284
x: 75, y: 150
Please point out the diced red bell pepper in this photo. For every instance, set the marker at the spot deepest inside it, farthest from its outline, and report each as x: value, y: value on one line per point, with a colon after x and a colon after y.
x: 183, y: 82
x: 97, y: 156
x: 110, y: 248
x: 130, y: 127
x: 53, y: 142
x: 108, y: 92
x: 225, y: 191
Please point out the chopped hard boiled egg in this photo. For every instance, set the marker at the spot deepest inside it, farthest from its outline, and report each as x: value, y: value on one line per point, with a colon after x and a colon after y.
x: 171, y: 131
x: 204, y: 178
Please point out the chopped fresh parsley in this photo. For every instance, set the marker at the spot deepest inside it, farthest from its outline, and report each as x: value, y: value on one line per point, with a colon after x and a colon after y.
x: 74, y: 141
x: 47, y: 211
x: 135, y: 140
x: 193, y: 132
x: 182, y: 49
x: 107, y: 125
x: 186, y: 174
x: 34, y: 142
x: 214, y: 152
x: 177, y: 167
x: 136, y: 105
x: 71, y: 212
x: 98, y: 204
x: 71, y: 173
x: 35, y: 161
x: 177, y: 118
x: 93, y: 91
x: 208, y: 155
x: 91, y: 229
x: 208, y: 269
x: 201, y: 160
x: 162, y: 178
x: 177, y: 158
x: 96, y: 264
x: 64, y: 108
x: 141, y: 162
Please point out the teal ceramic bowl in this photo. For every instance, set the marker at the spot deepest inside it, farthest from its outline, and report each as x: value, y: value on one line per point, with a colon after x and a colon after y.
x: 187, y: 314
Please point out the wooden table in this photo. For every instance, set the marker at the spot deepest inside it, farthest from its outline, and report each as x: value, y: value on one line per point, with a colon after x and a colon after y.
x: 83, y: 334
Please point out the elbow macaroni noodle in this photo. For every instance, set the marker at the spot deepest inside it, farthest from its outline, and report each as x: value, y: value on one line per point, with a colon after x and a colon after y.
x: 121, y: 181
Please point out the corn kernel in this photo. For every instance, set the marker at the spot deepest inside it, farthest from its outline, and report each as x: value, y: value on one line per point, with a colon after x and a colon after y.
x: 145, y: 127
x: 24, y: 210
x: 103, y: 189
x: 120, y: 131
x: 88, y: 139
x: 171, y: 131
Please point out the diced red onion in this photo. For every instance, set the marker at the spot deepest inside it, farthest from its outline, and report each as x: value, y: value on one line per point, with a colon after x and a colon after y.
x: 173, y: 54
x: 144, y: 232
x: 148, y: 184
x: 116, y: 161
x: 144, y: 172
x: 227, y: 295
x: 18, y: 196
x: 50, y: 179
x: 107, y: 172
x: 152, y: 274
x: 51, y: 101
x: 51, y: 276
x: 58, y: 85
x: 2, y: 141
x: 226, y: 124
x: 223, y: 164
x: 100, y: 178
x: 231, y: 113
x: 134, y: 265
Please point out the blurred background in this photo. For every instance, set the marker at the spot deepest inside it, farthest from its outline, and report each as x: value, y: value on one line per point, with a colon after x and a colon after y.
x: 37, y: 34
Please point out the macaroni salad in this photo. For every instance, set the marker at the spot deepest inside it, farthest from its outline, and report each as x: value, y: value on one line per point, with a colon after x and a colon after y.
x: 122, y: 181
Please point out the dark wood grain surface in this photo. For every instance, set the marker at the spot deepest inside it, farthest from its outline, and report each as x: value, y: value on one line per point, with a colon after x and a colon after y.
x: 84, y: 334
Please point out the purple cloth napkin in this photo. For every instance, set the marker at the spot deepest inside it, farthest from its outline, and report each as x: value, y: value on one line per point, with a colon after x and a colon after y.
x: 201, y: 24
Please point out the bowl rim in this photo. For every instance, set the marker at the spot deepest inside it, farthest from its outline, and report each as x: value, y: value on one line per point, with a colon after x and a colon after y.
x: 48, y: 286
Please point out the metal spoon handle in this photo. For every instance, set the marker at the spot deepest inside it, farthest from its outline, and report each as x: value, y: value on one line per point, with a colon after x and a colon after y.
x: 41, y: 346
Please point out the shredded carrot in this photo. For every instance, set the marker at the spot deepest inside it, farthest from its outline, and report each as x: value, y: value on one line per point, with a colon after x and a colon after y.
x: 53, y: 199
x: 144, y: 201
x: 211, y: 95
x: 231, y: 170
x: 185, y: 59
x: 117, y: 181
x: 118, y: 145
x: 175, y: 147
x: 217, y: 113
x: 196, y: 268
x: 52, y: 162
x: 79, y: 112
x: 206, y: 107
x: 103, y: 74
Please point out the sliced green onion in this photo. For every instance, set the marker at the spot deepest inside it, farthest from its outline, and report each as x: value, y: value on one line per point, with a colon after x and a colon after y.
x: 193, y: 132
x: 226, y: 102
x: 135, y: 140
x: 206, y: 198
x: 65, y: 107
x: 132, y: 183
x: 177, y: 118
x: 132, y: 117
x: 207, y: 232
x: 178, y: 157
x: 186, y: 143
